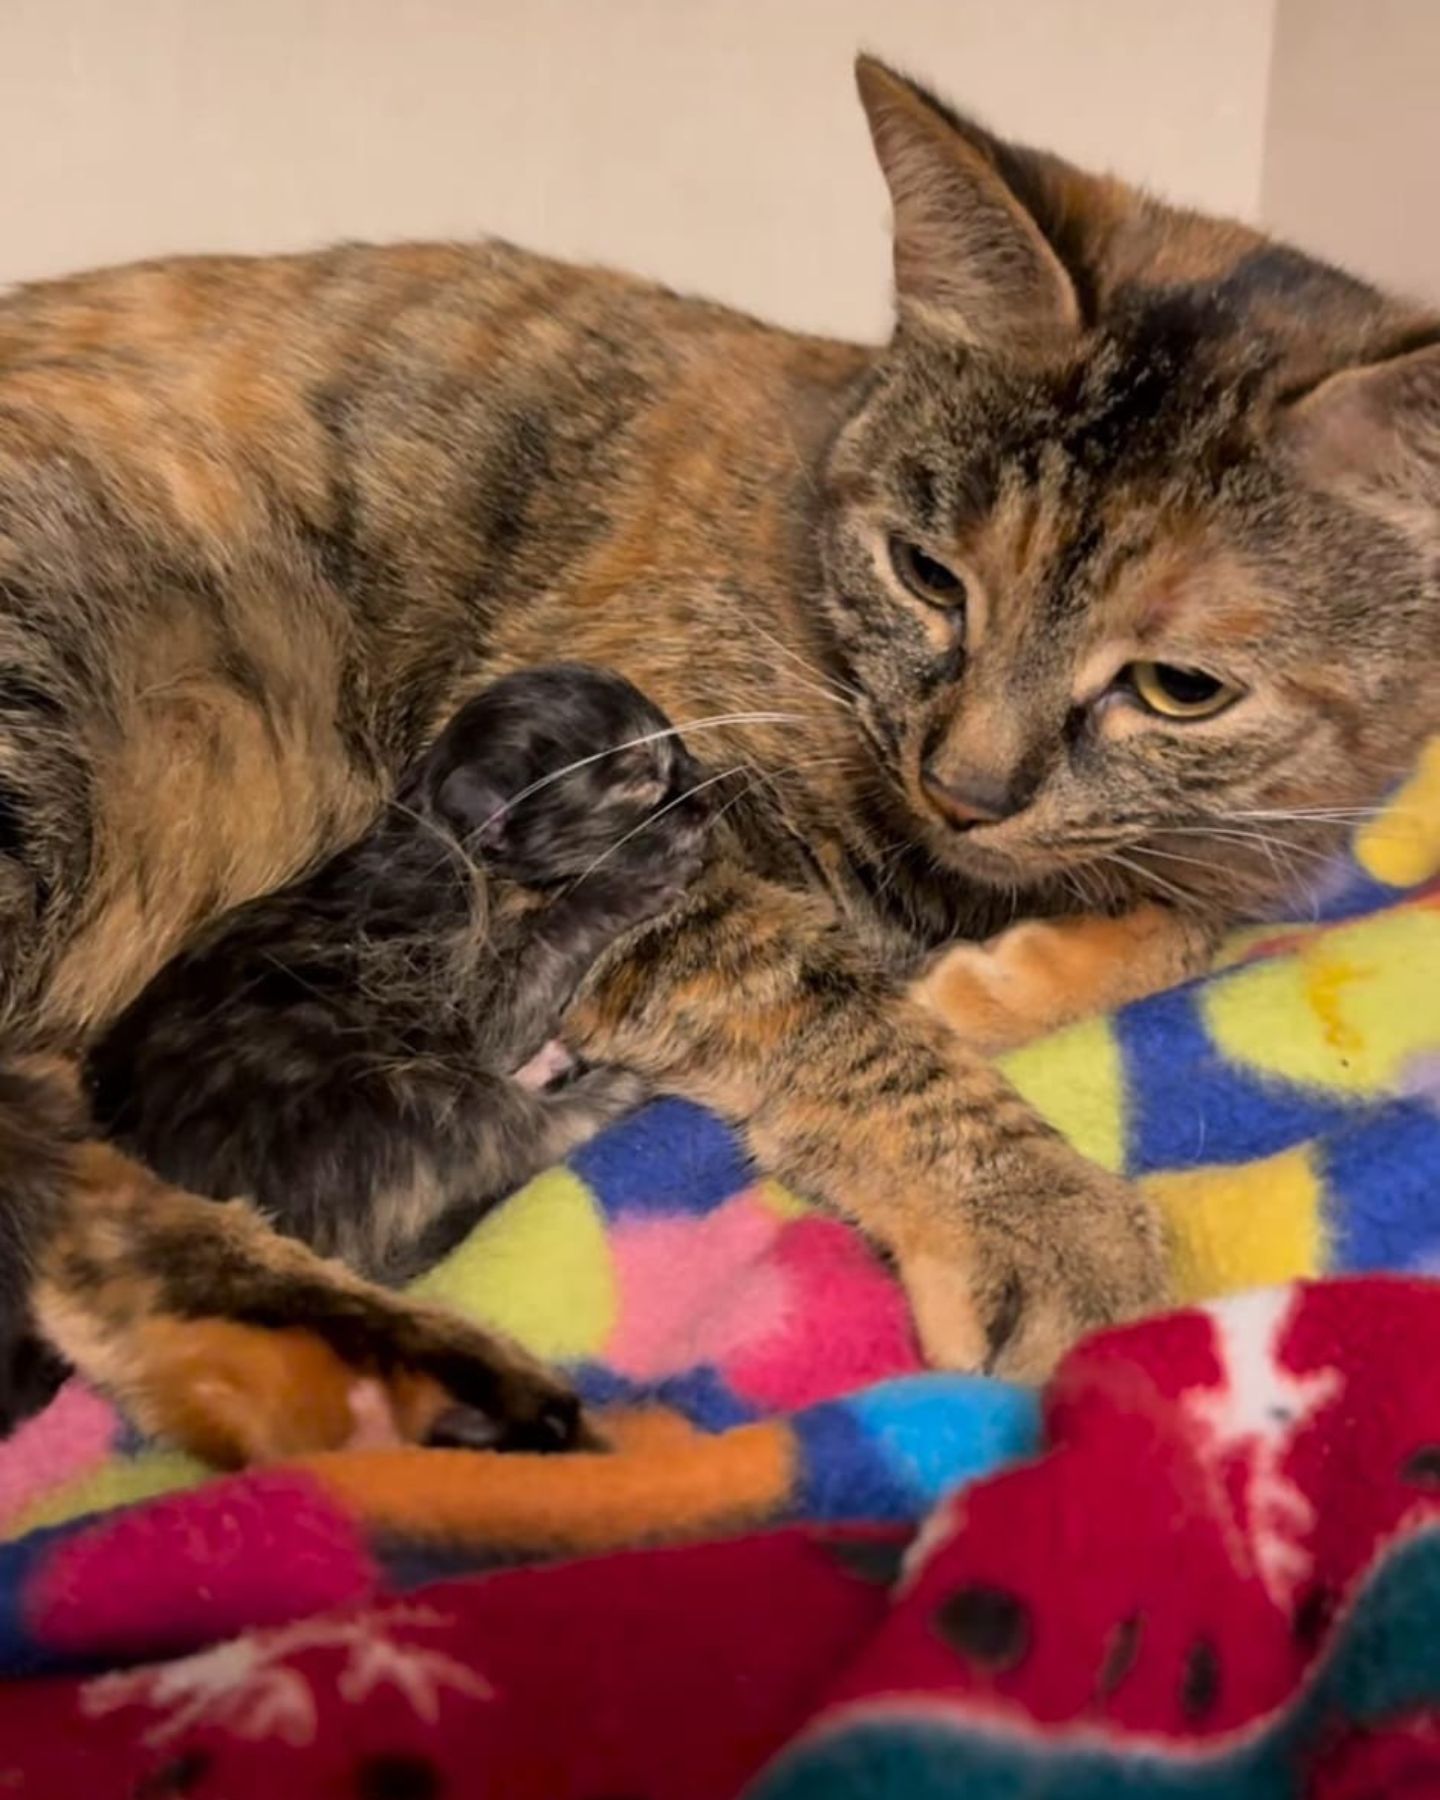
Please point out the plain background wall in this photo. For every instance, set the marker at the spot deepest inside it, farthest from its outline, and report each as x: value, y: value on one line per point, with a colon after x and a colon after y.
x: 1352, y: 145
x: 716, y: 144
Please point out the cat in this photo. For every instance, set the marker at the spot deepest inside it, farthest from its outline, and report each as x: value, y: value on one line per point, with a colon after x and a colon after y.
x: 351, y: 1051
x: 1095, y: 600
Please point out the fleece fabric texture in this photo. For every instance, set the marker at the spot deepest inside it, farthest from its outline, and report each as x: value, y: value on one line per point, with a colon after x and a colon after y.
x: 1219, y: 1581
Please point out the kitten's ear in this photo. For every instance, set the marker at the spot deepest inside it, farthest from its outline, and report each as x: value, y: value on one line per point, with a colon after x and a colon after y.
x: 472, y: 806
x: 1377, y: 426
x: 969, y: 256
x: 459, y: 799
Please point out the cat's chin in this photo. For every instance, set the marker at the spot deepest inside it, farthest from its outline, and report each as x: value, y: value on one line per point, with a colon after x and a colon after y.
x: 984, y: 864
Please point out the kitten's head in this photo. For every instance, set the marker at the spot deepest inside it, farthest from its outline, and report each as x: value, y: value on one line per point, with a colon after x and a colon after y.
x: 1131, y: 543
x: 553, y: 772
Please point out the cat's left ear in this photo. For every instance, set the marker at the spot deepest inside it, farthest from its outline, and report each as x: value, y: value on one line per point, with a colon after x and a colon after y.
x: 473, y: 806
x: 970, y: 257
x: 1375, y: 427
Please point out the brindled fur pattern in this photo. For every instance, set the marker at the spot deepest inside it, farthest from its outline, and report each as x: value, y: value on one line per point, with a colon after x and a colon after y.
x: 265, y: 524
x: 350, y: 1051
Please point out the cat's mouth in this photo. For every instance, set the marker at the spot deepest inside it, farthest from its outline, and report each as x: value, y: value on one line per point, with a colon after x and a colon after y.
x: 996, y: 865
x: 994, y: 854
x: 1007, y: 853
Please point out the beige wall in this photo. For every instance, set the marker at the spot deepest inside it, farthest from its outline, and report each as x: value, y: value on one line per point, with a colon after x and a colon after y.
x: 715, y: 143
x: 1352, y: 156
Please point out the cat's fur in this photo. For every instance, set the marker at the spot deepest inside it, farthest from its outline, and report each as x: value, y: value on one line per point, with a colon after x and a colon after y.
x: 346, y: 1051
x: 264, y: 524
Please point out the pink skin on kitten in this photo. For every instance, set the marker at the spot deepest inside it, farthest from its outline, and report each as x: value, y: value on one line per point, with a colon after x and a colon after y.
x: 548, y: 1063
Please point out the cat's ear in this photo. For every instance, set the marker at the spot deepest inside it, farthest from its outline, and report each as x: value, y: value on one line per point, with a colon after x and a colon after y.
x: 969, y: 256
x: 458, y: 797
x: 471, y: 805
x: 1374, y: 427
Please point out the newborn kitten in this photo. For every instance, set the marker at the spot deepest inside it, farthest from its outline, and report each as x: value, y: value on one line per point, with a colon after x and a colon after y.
x: 346, y: 1051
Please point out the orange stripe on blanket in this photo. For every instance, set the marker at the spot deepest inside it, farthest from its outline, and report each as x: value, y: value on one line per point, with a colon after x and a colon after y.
x: 663, y: 1479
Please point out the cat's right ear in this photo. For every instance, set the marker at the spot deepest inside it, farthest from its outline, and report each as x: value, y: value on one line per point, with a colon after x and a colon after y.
x: 969, y: 258
x: 1372, y: 428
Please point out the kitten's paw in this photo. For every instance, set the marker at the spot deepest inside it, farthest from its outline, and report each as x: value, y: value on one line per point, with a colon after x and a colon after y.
x: 549, y: 1065
x: 1056, y: 1251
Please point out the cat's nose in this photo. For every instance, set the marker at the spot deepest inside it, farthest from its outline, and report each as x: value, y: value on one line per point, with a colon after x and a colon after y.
x: 976, y: 797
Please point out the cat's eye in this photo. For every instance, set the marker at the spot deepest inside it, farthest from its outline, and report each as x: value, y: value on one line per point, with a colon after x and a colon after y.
x: 925, y: 576
x: 1175, y: 692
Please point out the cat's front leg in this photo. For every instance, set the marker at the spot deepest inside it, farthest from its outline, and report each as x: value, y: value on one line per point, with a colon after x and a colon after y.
x: 757, y: 1001
x: 1045, y: 973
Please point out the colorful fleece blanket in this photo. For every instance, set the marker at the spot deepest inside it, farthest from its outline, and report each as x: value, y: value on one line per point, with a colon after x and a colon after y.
x: 1209, y: 1517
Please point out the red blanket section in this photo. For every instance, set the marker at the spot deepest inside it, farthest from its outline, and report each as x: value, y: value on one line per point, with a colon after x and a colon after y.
x: 1197, y: 1573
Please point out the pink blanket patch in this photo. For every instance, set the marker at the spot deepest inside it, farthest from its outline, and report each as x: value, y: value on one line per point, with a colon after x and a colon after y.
x: 789, y: 1311
x: 845, y: 1322
x: 693, y: 1290
x: 73, y: 1436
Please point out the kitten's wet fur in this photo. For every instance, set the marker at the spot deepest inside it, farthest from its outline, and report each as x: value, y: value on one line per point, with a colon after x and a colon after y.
x: 345, y: 1051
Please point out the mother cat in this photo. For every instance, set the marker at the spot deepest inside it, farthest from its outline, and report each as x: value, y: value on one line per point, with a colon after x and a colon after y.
x: 1110, y: 580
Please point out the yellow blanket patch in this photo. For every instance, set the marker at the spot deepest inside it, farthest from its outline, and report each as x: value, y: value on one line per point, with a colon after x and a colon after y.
x: 1347, y: 1012
x: 1076, y: 1081
x: 552, y: 1225
x: 1402, y: 846
x: 1243, y: 1225
x: 116, y: 1483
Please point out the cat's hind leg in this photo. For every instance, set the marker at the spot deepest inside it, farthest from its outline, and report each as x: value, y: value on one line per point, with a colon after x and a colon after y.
x: 219, y: 1334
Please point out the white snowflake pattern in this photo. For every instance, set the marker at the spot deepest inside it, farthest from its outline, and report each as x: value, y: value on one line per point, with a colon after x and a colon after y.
x: 249, y: 1687
x: 1254, y: 1416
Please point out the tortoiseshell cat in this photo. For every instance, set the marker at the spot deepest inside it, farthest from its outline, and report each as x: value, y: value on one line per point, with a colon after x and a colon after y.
x: 345, y: 1052
x: 1114, y: 565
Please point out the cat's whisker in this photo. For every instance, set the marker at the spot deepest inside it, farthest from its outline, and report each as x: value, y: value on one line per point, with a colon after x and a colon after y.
x: 650, y: 818
x: 714, y: 722
x: 1151, y: 877
x: 769, y: 777
x: 1329, y: 814
x: 1078, y: 881
x: 890, y: 863
x: 842, y: 690
x: 1212, y: 869
x: 449, y: 846
x: 1221, y: 835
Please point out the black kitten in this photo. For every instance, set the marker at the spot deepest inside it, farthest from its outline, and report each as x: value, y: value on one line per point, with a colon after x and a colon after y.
x: 346, y: 1051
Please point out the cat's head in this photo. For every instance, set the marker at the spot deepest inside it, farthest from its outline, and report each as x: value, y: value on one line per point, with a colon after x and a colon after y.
x: 1131, y: 543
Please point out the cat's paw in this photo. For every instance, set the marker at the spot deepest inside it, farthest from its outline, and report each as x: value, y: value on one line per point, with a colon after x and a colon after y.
x: 213, y: 1330
x: 1045, y: 973
x: 1045, y: 1254
x: 235, y: 1393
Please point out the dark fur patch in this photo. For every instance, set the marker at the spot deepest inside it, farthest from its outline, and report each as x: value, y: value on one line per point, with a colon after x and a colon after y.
x: 342, y: 1050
